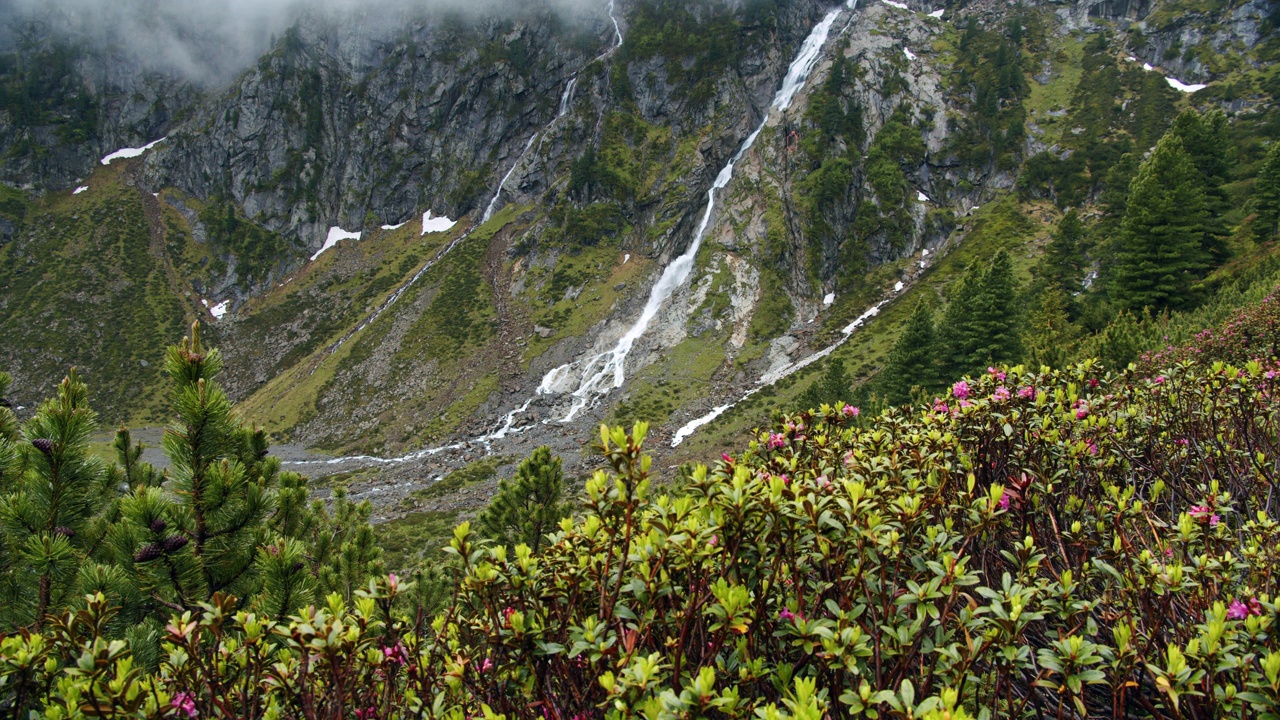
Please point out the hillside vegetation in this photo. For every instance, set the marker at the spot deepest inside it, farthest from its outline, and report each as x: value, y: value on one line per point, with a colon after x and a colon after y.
x: 1037, y: 543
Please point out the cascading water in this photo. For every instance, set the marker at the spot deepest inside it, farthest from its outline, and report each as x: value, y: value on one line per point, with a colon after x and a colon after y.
x: 601, y: 373
x: 567, y: 97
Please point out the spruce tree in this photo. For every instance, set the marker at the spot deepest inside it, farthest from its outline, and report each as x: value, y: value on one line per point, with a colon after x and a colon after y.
x: 832, y: 387
x: 48, y: 514
x: 528, y: 506
x: 912, y: 363
x: 1266, y: 193
x: 1158, y: 253
x: 1205, y: 139
x: 959, y: 332
x: 1050, y: 336
x: 1063, y: 264
x: 997, y: 322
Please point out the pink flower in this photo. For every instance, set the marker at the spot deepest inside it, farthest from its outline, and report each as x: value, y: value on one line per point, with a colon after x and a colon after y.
x: 1027, y: 392
x: 777, y: 440
x: 184, y: 702
x: 1004, y: 501
x: 850, y: 411
x: 726, y: 458
x: 1213, y: 520
x: 786, y: 479
x: 1270, y: 375
x: 788, y: 615
x: 1237, y: 610
x: 1000, y: 395
x: 1082, y: 413
x: 1255, y: 607
x: 1093, y: 382
x: 1198, y: 511
x: 939, y: 406
x: 486, y: 666
x: 960, y: 389
x: 1093, y: 448
x: 714, y: 541
x: 1168, y: 552
x: 393, y: 582
x: 1159, y: 380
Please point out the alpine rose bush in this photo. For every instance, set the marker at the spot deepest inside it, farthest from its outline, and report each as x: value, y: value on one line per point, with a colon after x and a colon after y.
x: 1008, y: 556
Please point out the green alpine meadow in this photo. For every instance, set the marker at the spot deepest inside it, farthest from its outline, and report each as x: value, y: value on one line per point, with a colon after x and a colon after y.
x: 640, y: 359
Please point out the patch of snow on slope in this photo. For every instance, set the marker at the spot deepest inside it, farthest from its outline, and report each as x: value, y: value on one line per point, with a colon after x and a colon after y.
x: 898, y: 286
x: 80, y: 189
x: 435, y: 224
x: 131, y: 152
x: 220, y: 309
x: 1177, y: 84
x: 937, y: 13
x: 899, y: 5
x: 395, y: 227
x: 921, y: 196
x: 335, y: 234
x: 910, y: 55
x: 830, y: 298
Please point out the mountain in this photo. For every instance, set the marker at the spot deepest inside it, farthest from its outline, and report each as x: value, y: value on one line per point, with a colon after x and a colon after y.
x: 701, y: 203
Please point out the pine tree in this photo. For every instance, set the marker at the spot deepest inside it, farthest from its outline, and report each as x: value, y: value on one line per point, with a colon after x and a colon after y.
x: 1063, y: 264
x: 528, y: 506
x: 48, y: 515
x: 1158, y: 252
x: 959, y: 333
x: 1050, y: 335
x: 997, y: 321
x: 1205, y: 139
x: 9, y: 437
x: 833, y: 387
x: 1266, y: 193
x: 345, y: 549
x: 202, y: 534
x: 912, y: 363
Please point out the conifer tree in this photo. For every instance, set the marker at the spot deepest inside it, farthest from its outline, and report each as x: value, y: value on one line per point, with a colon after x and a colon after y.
x: 958, y: 333
x: 345, y: 549
x: 997, y: 321
x: 1063, y: 261
x: 1266, y: 193
x: 831, y: 387
x: 912, y: 363
x: 1158, y: 252
x: 528, y: 506
x: 1207, y: 143
x: 9, y: 437
x: 48, y: 513
x: 1050, y: 335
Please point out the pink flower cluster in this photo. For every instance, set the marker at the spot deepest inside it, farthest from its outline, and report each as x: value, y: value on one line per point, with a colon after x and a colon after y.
x: 185, y: 703
x: 998, y: 373
x: 1203, y: 514
x: 1000, y: 395
x: 1238, y: 610
x: 1027, y: 392
x: 776, y: 440
x: 850, y: 411
x: 960, y: 390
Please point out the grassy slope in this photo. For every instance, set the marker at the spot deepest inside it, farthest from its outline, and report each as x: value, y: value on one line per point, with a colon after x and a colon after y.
x: 95, y: 281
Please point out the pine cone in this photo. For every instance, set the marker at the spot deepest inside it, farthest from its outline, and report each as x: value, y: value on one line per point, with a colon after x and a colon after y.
x: 158, y: 525
x: 147, y: 554
x: 174, y: 543
x: 44, y: 445
x: 296, y: 566
x: 64, y: 531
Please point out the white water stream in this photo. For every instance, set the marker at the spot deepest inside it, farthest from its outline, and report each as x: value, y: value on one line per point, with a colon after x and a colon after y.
x: 591, y: 377
x: 598, y: 374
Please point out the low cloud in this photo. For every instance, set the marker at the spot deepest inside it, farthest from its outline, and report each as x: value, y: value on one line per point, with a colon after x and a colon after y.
x: 208, y: 41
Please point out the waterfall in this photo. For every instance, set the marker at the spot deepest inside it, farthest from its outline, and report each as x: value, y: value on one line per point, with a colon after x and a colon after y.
x: 601, y: 373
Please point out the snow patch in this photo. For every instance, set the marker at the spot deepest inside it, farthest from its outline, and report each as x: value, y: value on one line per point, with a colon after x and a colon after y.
x: 690, y: 427
x: 432, y: 224
x: 335, y: 234
x: 910, y: 55
x: 625, y: 258
x: 220, y: 309
x: 1177, y: 84
x: 921, y: 196
x: 898, y: 286
x: 924, y: 252
x: 80, y: 189
x: 395, y: 227
x: 893, y: 3
x: 1147, y: 67
x: 204, y: 302
x: 828, y: 299
x: 124, y: 153
x: 937, y: 13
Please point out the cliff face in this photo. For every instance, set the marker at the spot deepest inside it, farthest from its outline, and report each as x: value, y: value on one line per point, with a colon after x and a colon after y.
x: 578, y: 169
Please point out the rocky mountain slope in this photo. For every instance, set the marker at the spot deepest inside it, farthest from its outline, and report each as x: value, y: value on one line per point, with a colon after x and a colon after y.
x: 577, y: 157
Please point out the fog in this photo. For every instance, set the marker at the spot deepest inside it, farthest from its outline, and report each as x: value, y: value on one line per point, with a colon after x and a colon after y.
x: 208, y: 41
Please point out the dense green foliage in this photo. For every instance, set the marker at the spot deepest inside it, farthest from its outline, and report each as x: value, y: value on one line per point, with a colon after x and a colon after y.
x: 1040, y: 544
x: 41, y: 91
x: 223, y: 519
x: 529, y: 505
